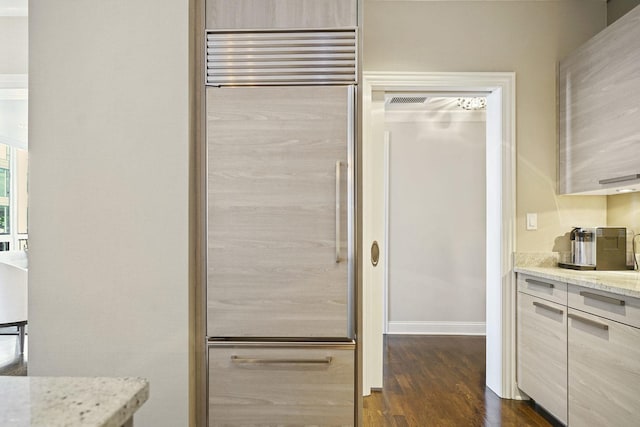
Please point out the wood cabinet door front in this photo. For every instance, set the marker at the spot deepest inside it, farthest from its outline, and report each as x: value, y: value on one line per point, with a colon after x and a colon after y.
x: 542, y: 353
x: 278, y: 261
x: 604, y: 372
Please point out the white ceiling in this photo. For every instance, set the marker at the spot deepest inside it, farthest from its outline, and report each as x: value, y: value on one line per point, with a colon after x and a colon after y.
x: 434, y: 109
x: 14, y: 7
x: 433, y: 103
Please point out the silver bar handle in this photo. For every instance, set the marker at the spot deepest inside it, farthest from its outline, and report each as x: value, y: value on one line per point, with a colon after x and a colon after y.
x: 602, y: 298
x: 539, y: 283
x: 546, y: 307
x: 338, y: 164
x: 620, y: 179
x: 588, y: 321
x: 350, y: 183
x: 257, y: 361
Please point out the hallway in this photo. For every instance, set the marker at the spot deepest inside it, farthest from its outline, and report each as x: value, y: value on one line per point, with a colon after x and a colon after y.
x: 439, y: 381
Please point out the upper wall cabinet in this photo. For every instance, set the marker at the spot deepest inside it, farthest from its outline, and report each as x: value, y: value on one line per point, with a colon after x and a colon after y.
x: 599, y: 107
x: 280, y: 14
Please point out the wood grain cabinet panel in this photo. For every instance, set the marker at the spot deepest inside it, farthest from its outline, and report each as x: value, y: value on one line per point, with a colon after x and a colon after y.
x: 548, y: 289
x: 280, y: 14
x: 604, y: 372
x: 616, y: 307
x: 271, y: 218
x: 281, y: 386
x: 599, y: 94
x: 542, y: 353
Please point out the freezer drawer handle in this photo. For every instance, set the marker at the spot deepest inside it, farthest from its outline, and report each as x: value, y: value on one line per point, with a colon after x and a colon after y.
x: 250, y: 360
x: 588, y: 321
x: 338, y: 211
x: 539, y: 283
x: 602, y: 298
x: 546, y: 307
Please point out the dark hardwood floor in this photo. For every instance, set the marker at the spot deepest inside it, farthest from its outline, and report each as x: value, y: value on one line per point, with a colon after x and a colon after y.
x: 440, y: 381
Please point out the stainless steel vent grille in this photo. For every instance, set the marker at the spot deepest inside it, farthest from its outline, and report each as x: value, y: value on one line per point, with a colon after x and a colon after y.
x: 281, y: 57
x: 408, y: 100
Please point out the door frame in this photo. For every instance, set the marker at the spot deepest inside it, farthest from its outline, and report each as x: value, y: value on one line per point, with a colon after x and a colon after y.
x: 500, y: 244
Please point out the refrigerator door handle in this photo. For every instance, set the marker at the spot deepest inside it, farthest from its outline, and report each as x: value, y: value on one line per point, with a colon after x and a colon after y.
x: 338, y: 164
x: 259, y: 361
x: 351, y: 183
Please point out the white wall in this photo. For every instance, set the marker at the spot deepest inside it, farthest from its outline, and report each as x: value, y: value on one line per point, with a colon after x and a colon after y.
x: 436, y: 223
x: 528, y: 37
x: 109, y: 195
x: 13, y: 44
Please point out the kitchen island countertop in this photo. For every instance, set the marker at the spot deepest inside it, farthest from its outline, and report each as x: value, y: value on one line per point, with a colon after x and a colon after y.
x: 625, y: 283
x: 70, y: 401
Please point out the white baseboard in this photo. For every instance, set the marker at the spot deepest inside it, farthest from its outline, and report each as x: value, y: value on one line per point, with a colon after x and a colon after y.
x: 437, y: 328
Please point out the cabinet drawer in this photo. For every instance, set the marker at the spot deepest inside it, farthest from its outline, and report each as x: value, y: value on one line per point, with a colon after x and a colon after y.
x: 551, y: 290
x: 611, y: 306
x: 542, y: 353
x: 604, y: 371
x: 255, y: 385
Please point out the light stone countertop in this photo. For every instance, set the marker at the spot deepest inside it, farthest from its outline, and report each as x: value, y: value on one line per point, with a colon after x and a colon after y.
x: 70, y: 401
x: 625, y: 283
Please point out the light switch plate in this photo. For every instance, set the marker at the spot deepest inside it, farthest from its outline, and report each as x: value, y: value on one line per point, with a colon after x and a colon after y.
x: 532, y: 221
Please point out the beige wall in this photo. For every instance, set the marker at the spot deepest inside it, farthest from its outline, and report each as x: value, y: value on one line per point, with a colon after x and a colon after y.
x: 13, y: 44
x: 624, y: 210
x: 617, y: 8
x: 528, y: 37
x: 109, y: 193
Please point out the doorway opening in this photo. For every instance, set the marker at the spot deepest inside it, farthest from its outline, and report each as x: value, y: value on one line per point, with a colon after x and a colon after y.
x: 13, y: 188
x: 434, y: 201
x: 13, y: 223
x: 499, y: 89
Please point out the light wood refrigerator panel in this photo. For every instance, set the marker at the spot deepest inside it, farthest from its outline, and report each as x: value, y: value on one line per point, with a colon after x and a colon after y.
x: 599, y: 93
x: 281, y: 386
x: 272, y: 197
x: 542, y: 353
x: 280, y: 14
x: 604, y: 372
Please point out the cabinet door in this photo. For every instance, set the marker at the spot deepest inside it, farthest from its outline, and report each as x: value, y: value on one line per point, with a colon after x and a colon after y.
x: 599, y: 92
x: 281, y: 386
x: 542, y: 353
x: 280, y: 14
x: 604, y: 372
x: 279, y: 220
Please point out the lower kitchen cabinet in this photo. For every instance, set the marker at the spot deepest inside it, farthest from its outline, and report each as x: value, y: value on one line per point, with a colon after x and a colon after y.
x: 604, y: 371
x: 542, y: 353
x: 578, y: 352
x: 278, y: 385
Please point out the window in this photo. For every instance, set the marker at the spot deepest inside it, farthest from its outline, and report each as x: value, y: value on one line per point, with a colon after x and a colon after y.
x: 5, y: 189
x: 13, y: 161
x: 13, y: 198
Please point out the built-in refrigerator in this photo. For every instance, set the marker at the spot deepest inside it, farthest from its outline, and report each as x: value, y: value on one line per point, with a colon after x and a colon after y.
x: 280, y: 316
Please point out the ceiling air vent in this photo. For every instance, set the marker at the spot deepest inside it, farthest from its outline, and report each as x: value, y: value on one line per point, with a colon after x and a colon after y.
x: 408, y: 100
